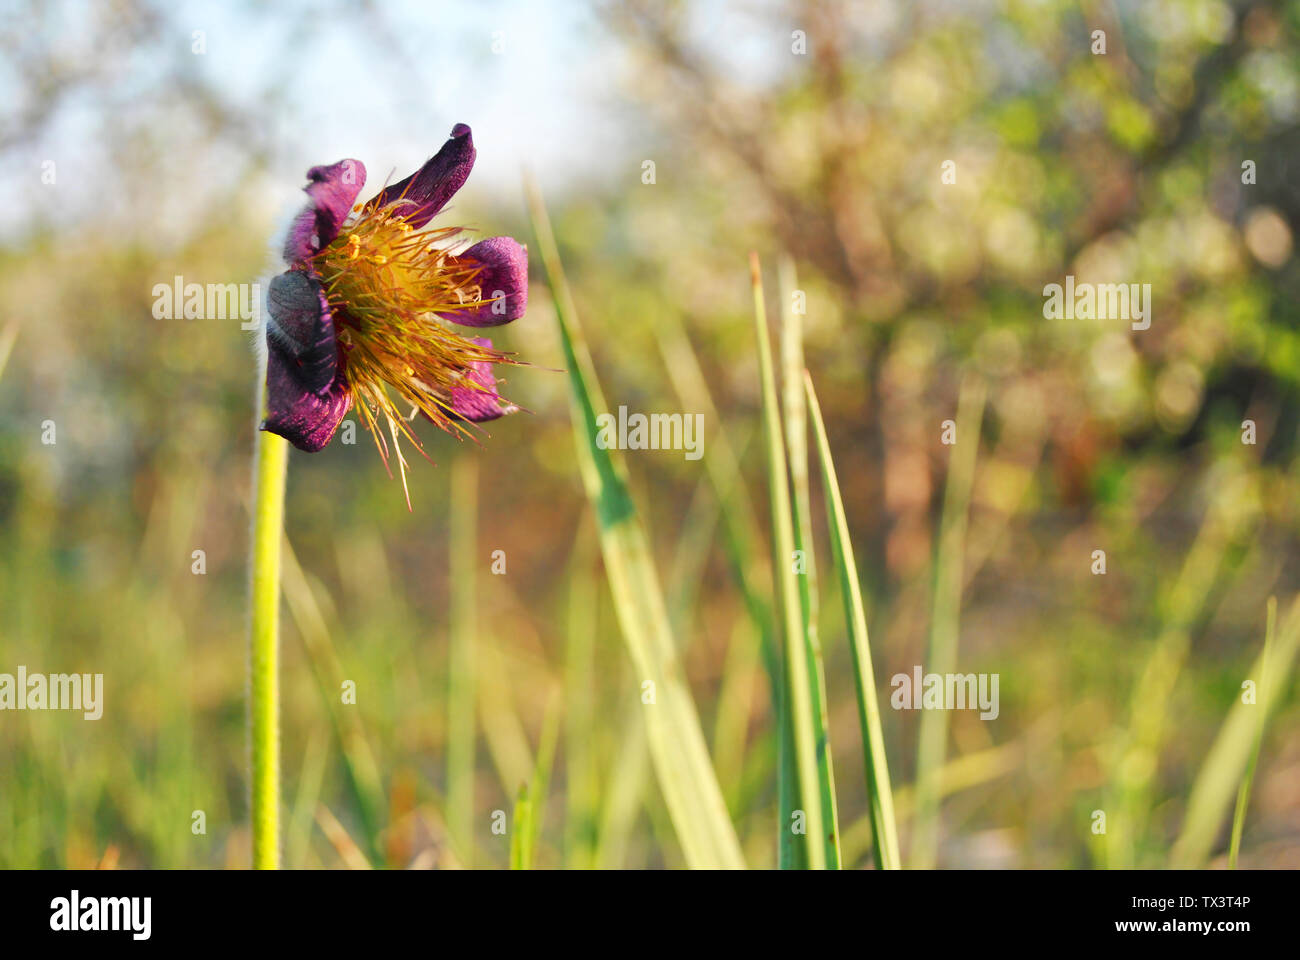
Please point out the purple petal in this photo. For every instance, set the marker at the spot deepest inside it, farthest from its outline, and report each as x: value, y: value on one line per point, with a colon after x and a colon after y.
x: 425, y: 192
x: 477, y: 405
x: 306, y: 419
x: 502, y: 280
x: 299, y: 322
x: 306, y: 394
x: 332, y: 190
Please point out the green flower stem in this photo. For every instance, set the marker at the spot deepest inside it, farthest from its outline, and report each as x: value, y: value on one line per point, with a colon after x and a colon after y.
x: 264, y: 666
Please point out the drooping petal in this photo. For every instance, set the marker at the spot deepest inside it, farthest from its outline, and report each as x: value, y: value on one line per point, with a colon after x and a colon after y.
x: 424, y: 193
x: 306, y: 394
x: 300, y: 323
x: 333, y: 190
x: 306, y: 419
x: 481, y: 403
x: 502, y: 280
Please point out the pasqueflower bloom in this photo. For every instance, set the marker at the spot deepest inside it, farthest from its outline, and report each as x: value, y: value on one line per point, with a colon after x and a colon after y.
x: 364, y: 313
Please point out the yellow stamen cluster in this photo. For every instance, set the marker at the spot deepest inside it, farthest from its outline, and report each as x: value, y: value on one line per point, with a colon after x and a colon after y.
x: 386, y: 283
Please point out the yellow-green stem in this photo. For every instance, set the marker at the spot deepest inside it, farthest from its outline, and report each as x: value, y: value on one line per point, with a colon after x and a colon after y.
x: 264, y: 687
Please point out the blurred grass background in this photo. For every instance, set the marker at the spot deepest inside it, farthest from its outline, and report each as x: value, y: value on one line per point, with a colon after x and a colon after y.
x: 480, y: 692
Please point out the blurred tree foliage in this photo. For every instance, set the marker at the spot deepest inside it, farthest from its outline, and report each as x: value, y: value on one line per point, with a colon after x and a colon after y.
x: 1169, y: 160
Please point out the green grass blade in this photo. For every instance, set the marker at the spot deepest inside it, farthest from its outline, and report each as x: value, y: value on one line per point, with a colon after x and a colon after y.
x: 1135, y: 767
x: 582, y: 784
x: 731, y: 718
x: 521, y: 849
x: 966, y: 772
x: 695, y: 539
x: 879, y: 794
x: 796, y: 439
x: 677, y: 747
x: 311, y: 777
x: 1231, y: 754
x: 530, y: 802
x: 799, y: 780
x: 723, y: 467
x: 1243, y: 792
x: 946, y: 616
x: 361, y: 771
x: 7, y: 338
x: 503, y: 728
x: 624, y: 791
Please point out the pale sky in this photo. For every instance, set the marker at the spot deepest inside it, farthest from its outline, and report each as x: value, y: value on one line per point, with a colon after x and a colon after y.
x: 541, y: 83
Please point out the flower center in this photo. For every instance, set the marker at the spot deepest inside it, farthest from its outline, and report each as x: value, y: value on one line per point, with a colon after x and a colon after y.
x: 387, y: 285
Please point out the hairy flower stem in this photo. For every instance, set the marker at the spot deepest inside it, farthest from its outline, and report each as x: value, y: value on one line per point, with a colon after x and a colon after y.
x: 264, y: 688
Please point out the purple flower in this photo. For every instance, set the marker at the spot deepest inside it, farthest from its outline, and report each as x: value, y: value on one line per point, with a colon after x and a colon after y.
x: 364, y: 313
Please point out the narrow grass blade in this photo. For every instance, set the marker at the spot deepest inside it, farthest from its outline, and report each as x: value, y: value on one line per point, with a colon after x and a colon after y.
x: 734, y: 713
x: 626, y: 787
x: 339, y: 839
x: 695, y: 541
x: 359, y: 766
x: 521, y: 848
x: 461, y: 676
x: 7, y: 338
x: 545, y: 765
x: 677, y: 747
x: 1135, y: 764
x: 311, y: 778
x: 799, y: 790
x: 582, y: 785
x: 530, y: 804
x: 1243, y: 792
x: 796, y: 439
x: 1235, y: 747
x: 503, y: 729
x: 723, y: 467
x: 945, y: 617
x: 966, y: 772
x: 875, y: 763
